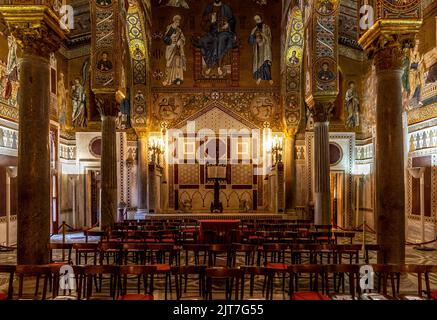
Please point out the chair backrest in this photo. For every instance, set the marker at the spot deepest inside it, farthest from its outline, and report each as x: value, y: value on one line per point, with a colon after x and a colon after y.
x: 352, y: 271
x: 316, y: 279
x: 60, y: 246
x: 274, y: 252
x: 9, y: 269
x: 85, y: 246
x: 226, y: 274
x: 419, y: 270
x: 383, y: 273
x: 91, y: 273
x: 37, y: 272
x: 199, y: 269
x: 161, y: 253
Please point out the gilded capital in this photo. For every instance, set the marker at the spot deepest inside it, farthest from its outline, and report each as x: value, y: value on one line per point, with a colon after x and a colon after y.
x: 389, y: 51
x: 107, y: 104
x: 37, y: 28
x: 321, y: 110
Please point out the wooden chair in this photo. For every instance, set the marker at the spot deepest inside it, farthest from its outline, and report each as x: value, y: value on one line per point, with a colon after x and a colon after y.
x: 339, y: 273
x: 111, y: 251
x: 60, y: 246
x: 84, y: 250
x: 244, y: 251
x: 344, y: 235
x: 419, y: 270
x: 352, y: 251
x: 10, y: 270
x: 181, y: 275
x: 302, y: 252
x: 163, y: 256
x: 38, y: 272
x: 252, y: 272
x: 146, y: 273
x: 134, y: 252
x: 316, y: 276
x: 382, y: 274
x: 322, y: 253
x: 368, y: 248
x: 91, y: 273
x: 219, y: 250
x: 232, y: 277
x: 275, y: 260
x: 432, y: 294
x: 198, y: 250
x: 55, y: 278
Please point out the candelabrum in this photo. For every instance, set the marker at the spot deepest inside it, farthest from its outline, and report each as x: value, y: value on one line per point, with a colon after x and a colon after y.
x: 156, y: 149
x: 277, y: 148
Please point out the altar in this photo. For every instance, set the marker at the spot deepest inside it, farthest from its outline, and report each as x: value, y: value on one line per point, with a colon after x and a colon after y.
x: 221, y: 228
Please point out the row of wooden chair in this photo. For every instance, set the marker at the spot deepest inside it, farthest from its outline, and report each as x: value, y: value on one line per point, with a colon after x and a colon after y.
x: 142, y: 253
x: 321, y: 281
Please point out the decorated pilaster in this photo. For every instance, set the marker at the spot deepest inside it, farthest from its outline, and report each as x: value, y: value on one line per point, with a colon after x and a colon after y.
x: 321, y: 91
x: 387, y: 43
x: 106, y: 71
x: 292, y: 92
x: 38, y: 32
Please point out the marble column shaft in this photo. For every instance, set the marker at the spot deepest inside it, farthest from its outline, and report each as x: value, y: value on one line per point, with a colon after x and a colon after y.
x: 290, y: 174
x: 109, y: 171
x: 33, y: 222
x: 322, y: 210
x: 143, y: 171
x: 389, y: 168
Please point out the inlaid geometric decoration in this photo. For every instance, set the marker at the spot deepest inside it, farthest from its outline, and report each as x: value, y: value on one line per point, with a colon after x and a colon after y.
x: 188, y: 174
x: 105, y: 45
x: 325, y: 48
x: 242, y: 174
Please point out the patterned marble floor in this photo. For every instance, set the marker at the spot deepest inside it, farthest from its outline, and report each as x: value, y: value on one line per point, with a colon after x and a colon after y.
x: 408, y: 284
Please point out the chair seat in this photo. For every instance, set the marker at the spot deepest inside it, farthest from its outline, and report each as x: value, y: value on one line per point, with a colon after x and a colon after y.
x: 324, y: 239
x: 309, y: 296
x: 434, y: 295
x: 3, y: 296
x: 277, y: 266
x: 57, y: 263
x: 136, y: 297
x: 162, y: 267
x: 189, y: 230
x: 167, y: 240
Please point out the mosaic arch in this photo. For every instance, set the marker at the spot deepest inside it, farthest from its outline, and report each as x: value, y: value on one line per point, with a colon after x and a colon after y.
x: 293, y: 61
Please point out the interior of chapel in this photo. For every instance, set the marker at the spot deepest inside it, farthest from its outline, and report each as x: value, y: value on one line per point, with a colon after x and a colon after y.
x: 221, y: 149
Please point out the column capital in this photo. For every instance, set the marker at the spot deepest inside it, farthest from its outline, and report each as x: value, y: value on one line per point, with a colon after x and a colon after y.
x: 321, y: 110
x: 37, y: 28
x: 388, y: 41
x: 107, y: 104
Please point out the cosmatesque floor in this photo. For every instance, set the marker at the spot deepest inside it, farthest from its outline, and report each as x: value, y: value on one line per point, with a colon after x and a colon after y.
x: 408, y: 283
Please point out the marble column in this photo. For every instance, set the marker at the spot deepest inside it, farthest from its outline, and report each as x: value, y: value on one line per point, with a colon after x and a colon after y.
x: 38, y: 33
x: 33, y: 220
x: 322, y: 194
x: 11, y: 172
x: 108, y: 110
x: 142, y: 178
x: 290, y: 173
x: 389, y: 158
